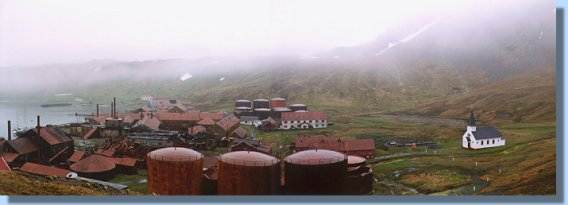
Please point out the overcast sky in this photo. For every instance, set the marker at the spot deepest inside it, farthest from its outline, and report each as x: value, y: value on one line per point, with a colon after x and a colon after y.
x: 36, y: 32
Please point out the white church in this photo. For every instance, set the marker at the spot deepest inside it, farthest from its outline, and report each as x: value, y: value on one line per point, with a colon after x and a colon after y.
x: 481, y: 137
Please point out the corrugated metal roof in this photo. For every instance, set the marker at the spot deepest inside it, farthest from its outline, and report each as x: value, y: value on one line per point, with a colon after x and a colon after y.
x: 23, y: 145
x: 10, y: 156
x: 187, y: 116
x: 76, y: 156
x: 90, y: 133
x: 291, y: 116
x: 334, y: 143
x: 228, y: 122
x: 197, y: 129
x: 239, y: 132
x: 206, y: 122
x: 52, y: 136
x: 216, y: 116
x: 4, y: 165
x: 486, y: 133
x: 44, y: 170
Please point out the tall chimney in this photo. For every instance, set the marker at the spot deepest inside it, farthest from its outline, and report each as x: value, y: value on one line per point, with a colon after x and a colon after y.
x: 97, y: 110
x: 114, y: 101
x: 9, y: 130
x: 38, y: 127
x: 111, y: 109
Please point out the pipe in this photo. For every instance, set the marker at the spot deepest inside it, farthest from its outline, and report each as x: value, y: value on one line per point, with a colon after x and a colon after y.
x: 97, y: 110
x: 9, y: 130
x: 38, y: 122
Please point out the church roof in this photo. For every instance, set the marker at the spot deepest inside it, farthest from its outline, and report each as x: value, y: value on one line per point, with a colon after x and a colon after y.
x: 486, y: 133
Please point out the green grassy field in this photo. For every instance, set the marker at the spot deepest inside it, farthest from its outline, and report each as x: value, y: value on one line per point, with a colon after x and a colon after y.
x: 526, y: 162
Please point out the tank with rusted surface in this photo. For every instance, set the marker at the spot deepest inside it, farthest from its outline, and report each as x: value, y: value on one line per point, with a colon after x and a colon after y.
x: 298, y: 107
x: 174, y: 171
x: 95, y: 166
x: 277, y: 112
x: 248, y: 173
x: 277, y: 102
x: 315, y: 172
x: 243, y: 104
x: 261, y: 103
x: 359, y: 178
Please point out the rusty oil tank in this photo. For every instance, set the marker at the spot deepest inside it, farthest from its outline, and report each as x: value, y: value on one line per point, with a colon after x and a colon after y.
x: 315, y: 172
x: 261, y: 103
x: 243, y: 103
x: 277, y: 102
x: 174, y: 171
x: 248, y: 173
x: 298, y: 107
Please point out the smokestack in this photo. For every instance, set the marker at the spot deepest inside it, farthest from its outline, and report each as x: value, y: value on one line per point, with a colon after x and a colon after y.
x: 38, y: 125
x: 114, y: 103
x: 111, y: 109
x: 9, y: 130
x: 97, y: 110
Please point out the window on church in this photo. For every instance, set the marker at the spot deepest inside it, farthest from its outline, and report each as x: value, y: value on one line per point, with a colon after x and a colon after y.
x: 481, y: 142
x: 493, y: 142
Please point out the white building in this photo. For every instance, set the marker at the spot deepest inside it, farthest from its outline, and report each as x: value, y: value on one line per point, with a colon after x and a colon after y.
x: 481, y: 137
x: 303, y: 120
x: 250, y: 120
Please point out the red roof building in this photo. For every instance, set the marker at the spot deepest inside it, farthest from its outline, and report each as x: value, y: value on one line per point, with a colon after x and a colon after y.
x: 206, y: 122
x: 43, y: 170
x: 215, y: 116
x: 177, y: 121
x: 77, y: 156
x: 226, y: 125
x: 4, y: 165
x: 359, y: 147
x: 197, y: 129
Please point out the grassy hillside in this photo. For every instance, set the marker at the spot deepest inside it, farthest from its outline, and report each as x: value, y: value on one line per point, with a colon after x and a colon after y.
x: 18, y: 183
x: 527, y: 97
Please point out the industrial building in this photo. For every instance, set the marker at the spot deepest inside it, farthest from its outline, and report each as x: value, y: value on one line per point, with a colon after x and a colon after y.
x: 358, y: 147
x: 294, y: 116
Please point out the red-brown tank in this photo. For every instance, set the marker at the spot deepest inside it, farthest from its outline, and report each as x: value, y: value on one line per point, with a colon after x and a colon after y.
x: 359, y: 178
x: 315, y: 172
x: 277, y: 102
x: 248, y: 173
x: 174, y: 171
x: 95, y: 166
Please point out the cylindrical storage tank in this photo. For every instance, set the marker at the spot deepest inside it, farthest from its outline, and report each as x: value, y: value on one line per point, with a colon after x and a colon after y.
x: 261, y: 103
x: 262, y: 113
x: 359, y: 178
x: 355, y: 161
x: 315, y: 172
x: 248, y: 173
x: 277, y: 102
x: 95, y: 166
x: 297, y: 107
x: 174, y: 171
x: 243, y: 103
x: 239, y: 110
x: 277, y: 112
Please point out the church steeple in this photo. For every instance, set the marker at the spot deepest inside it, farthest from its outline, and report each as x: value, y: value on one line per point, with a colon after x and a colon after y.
x: 471, y: 121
